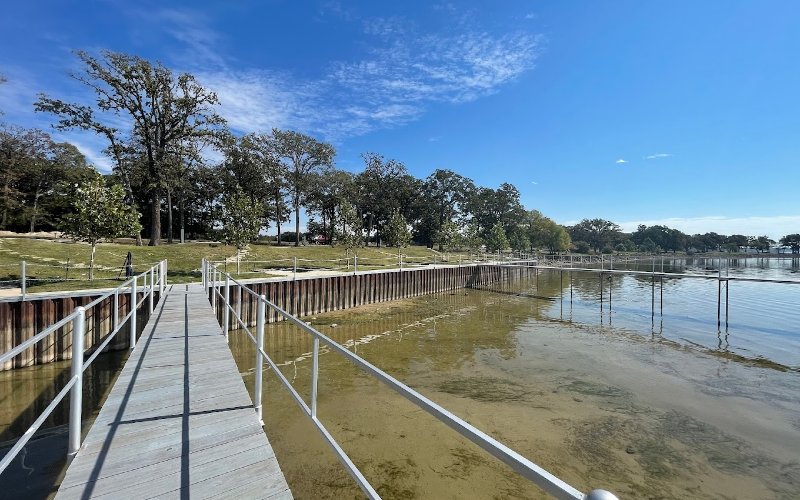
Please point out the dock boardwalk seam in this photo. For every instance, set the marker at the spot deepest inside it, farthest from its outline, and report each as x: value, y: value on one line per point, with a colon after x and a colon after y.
x: 179, y: 421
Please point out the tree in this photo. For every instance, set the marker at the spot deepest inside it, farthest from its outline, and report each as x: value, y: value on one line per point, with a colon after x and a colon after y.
x: 598, y: 233
x: 736, y: 241
x: 762, y: 243
x: 444, y: 199
x: 100, y: 212
x: 447, y: 237
x: 302, y: 156
x: 327, y: 193
x: 397, y: 233
x: 556, y: 238
x: 383, y: 187
x: 349, y: 229
x: 241, y: 219
x: 793, y: 241
x: 496, y: 239
x: 162, y: 114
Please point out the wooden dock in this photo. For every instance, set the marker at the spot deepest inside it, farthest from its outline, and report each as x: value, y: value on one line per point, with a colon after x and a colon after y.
x: 179, y: 422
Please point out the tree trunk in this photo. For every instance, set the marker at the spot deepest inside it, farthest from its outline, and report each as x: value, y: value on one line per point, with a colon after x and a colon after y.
x: 297, y: 223
x: 155, y: 219
x: 169, y: 217
x: 278, y: 214
x: 6, y: 195
x: 91, y: 261
x: 35, y: 206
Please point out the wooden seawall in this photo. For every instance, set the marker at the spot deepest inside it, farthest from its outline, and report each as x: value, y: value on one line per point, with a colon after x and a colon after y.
x: 20, y: 321
x: 314, y: 295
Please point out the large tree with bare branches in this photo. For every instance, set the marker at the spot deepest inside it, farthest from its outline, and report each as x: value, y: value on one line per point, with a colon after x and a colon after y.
x: 140, y: 106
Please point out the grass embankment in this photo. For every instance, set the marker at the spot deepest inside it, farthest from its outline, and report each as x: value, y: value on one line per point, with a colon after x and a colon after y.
x: 64, y: 265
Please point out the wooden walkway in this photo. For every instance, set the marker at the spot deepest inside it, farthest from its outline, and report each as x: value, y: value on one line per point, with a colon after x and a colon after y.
x: 179, y: 422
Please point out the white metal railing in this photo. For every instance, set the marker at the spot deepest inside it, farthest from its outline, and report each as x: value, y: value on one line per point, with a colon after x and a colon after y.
x: 154, y: 279
x: 220, y: 295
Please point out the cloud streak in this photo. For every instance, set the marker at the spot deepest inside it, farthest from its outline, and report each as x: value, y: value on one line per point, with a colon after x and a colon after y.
x: 621, y: 160
x: 394, y: 82
x: 657, y: 156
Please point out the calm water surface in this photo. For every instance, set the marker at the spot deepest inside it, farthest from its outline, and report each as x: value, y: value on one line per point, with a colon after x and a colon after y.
x: 663, y: 408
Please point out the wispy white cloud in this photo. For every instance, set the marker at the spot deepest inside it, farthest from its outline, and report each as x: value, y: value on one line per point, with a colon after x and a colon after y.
x: 534, y: 183
x: 657, y: 156
x: 434, y: 139
x: 400, y: 75
x: 772, y: 226
x: 530, y: 15
x: 621, y: 160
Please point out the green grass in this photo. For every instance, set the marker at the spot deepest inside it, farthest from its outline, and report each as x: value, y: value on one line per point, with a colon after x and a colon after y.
x: 56, y: 260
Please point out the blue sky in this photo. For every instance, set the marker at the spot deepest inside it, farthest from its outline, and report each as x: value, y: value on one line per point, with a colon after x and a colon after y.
x: 683, y: 113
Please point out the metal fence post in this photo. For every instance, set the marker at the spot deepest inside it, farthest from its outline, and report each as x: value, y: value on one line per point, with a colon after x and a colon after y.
x: 23, y: 284
x: 152, y: 288
x: 163, y: 278
x: 203, y: 274
x: 226, y: 315
x: 214, y: 288
x: 133, y: 311
x: 355, y: 264
x: 116, y: 309
x: 76, y: 373
x: 314, y: 377
x: 294, y: 270
x: 260, y: 320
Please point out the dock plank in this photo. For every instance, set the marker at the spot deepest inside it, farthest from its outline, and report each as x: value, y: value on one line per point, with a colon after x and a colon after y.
x: 178, y: 422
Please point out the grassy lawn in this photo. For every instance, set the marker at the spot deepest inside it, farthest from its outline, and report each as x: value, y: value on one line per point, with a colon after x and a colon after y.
x: 66, y: 264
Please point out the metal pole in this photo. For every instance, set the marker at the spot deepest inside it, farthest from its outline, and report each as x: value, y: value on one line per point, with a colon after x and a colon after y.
x: 401, y: 262
x: 133, y: 311
x: 662, y: 295
x: 355, y: 264
x: 76, y: 373
x: 163, y: 278
x: 653, y: 298
x: 260, y: 317
x: 727, y: 286
x: 23, y: 284
x: 116, y: 309
x: 203, y: 273
x: 226, y: 315
x: 239, y: 304
x: 314, y: 377
x: 719, y: 298
x: 214, y: 288
x: 294, y: 270
x: 152, y: 288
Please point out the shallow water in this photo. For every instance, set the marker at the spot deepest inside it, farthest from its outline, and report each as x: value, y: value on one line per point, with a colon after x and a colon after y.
x: 643, y: 415
x: 24, y: 394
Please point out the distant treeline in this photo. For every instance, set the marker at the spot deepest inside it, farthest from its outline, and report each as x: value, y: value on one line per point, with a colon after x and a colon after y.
x: 160, y: 129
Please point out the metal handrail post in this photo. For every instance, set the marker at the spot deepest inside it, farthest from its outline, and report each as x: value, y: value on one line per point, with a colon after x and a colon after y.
x: 152, y: 288
x: 23, y: 282
x: 116, y: 309
x: 134, y: 298
x: 239, y: 302
x: 260, y: 320
x: 314, y: 378
x: 214, y: 288
x: 355, y: 264
x: 226, y: 306
x: 162, y: 275
x: 203, y: 274
x: 294, y: 270
x: 76, y: 372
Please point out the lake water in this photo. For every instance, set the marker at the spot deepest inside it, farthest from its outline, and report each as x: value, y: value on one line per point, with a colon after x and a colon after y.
x: 646, y: 406
x: 663, y: 408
